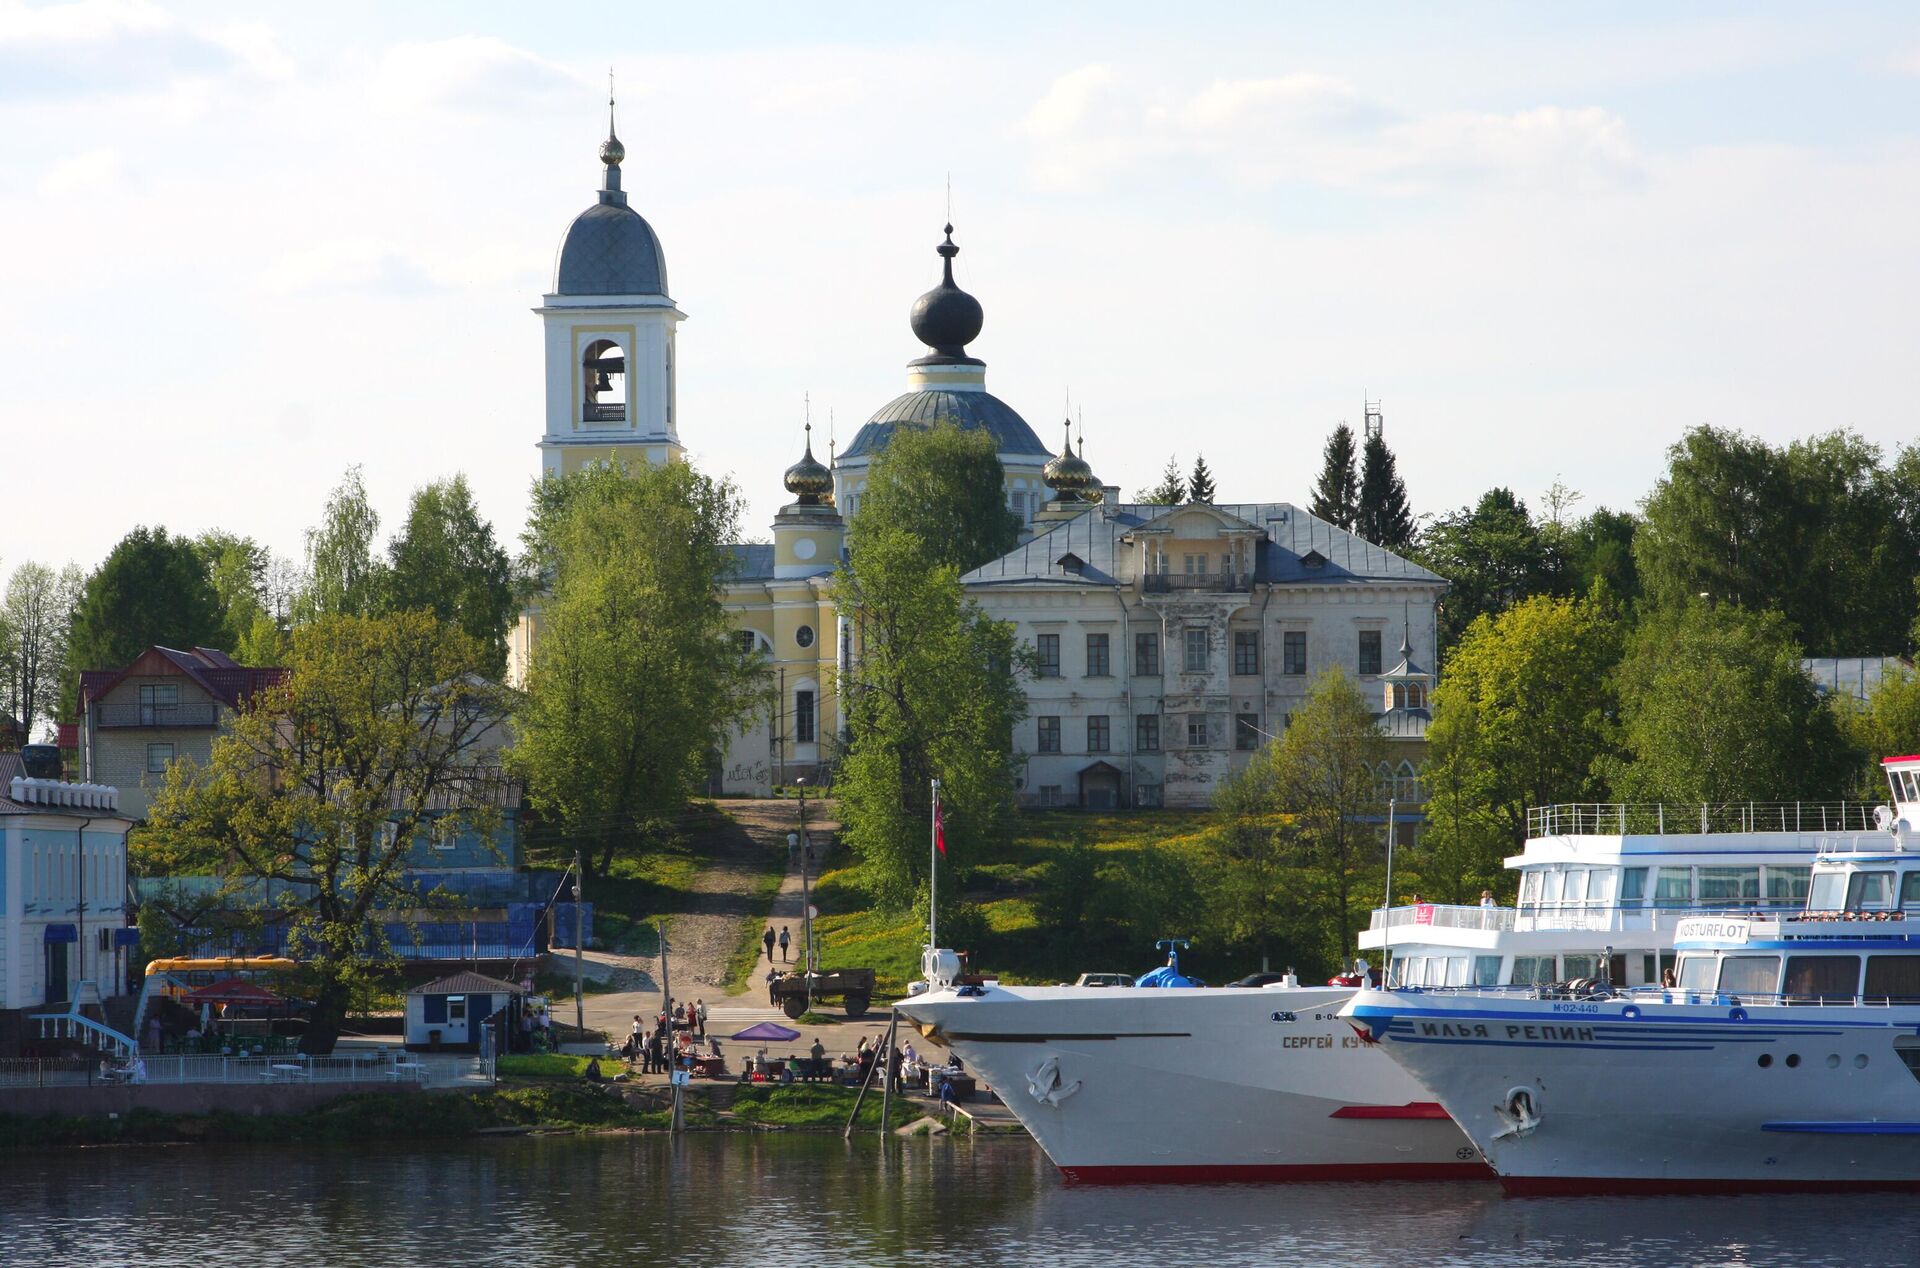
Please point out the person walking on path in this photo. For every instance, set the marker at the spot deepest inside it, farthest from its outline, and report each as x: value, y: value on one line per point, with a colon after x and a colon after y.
x: 786, y: 940
x: 767, y: 940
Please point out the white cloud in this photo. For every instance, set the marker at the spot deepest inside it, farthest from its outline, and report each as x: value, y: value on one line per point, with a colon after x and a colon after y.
x: 348, y: 265
x: 96, y: 47
x: 471, y: 72
x: 85, y: 173
x: 1094, y: 123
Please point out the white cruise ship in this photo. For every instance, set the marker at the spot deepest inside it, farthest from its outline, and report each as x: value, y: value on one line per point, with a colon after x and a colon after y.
x: 1157, y: 1084
x: 1785, y: 1055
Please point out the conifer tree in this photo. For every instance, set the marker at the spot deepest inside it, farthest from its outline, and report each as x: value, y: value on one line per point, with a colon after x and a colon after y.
x: 1200, y: 483
x: 1172, y: 489
x: 1383, y: 518
x: 1336, y: 493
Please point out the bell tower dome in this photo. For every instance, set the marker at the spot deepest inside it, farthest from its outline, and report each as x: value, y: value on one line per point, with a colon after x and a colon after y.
x: 609, y: 327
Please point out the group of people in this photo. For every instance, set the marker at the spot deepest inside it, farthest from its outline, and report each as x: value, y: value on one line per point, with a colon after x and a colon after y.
x: 675, y: 1026
x: 784, y: 940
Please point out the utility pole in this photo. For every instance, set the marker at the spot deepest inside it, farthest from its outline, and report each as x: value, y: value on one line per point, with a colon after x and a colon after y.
x: 678, y: 1122
x: 579, y: 941
x: 806, y: 896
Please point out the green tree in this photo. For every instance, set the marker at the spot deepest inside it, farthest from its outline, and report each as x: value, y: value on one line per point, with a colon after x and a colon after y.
x: 1492, y: 554
x: 1520, y: 719
x: 1599, y: 549
x: 1383, y: 516
x: 1304, y: 811
x: 934, y: 692
x: 152, y: 589
x: 635, y: 677
x: 1887, y: 725
x: 325, y: 782
x: 445, y: 561
x: 1200, y: 483
x: 36, y: 617
x: 945, y: 485
x: 1819, y: 530
x: 1172, y: 489
x: 1336, y: 494
x: 1714, y: 707
x: 239, y: 568
x: 343, y: 577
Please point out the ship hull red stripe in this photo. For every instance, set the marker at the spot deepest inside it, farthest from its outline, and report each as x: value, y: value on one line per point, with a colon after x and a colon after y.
x: 1263, y: 1173
x: 1412, y: 1109
x: 1578, y: 1186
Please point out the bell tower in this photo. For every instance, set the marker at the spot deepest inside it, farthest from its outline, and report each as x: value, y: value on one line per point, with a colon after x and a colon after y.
x: 609, y: 326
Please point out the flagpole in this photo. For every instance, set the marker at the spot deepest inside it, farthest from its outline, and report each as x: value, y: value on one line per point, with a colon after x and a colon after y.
x: 933, y: 872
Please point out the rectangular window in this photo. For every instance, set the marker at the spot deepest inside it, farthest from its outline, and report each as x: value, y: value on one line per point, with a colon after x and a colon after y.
x: 1633, y: 886
x: 804, y: 717
x: 1532, y: 970
x: 1049, y: 735
x: 1048, y: 645
x: 159, y: 756
x: 1673, y: 887
x: 1787, y: 886
x: 1696, y: 972
x: 1486, y: 970
x: 1600, y: 887
x: 1049, y: 794
x: 1246, y: 652
x: 1753, y: 975
x: 1369, y: 651
x: 445, y: 834
x: 1147, y: 795
x: 1146, y: 654
x: 1246, y: 731
x: 1196, y: 730
x: 1826, y: 979
x: 1196, y: 565
x: 1909, y: 889
x: 1729, y: 885
x: 1893, y: 979
x: 1146, y: 733
x: 1529, y: 888
x: 1870, y: 891
x: 157, y: 703
x: 1097, y: 664
x: 1293, y: 653
x: 1196, y: 644
x: 1572, y: 966
x: 456, y: 1008
x: 1098, y: 733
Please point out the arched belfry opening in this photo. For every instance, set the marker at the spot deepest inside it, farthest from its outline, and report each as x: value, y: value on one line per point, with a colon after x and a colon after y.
x: 604, y: 377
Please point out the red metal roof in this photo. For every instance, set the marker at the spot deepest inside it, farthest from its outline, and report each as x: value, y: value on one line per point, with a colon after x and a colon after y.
x: 214, y: 670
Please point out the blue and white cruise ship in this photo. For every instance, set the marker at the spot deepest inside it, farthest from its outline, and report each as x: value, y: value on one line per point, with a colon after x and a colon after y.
x: 1784, y: 1052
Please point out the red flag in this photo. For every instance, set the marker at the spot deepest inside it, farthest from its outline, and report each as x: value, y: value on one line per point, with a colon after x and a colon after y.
x: 939, y: 828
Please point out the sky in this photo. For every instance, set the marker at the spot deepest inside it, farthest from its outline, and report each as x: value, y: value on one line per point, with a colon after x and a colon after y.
x: 245, y: 247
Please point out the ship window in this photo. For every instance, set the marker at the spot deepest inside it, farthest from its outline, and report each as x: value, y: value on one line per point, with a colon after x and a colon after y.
x: 1893, y: 979
x: 1600, y: 886
x: 1909, y: 889
x: 1572, y: 966
x: 1673, y: 887
x: 1727, y: 885
x: 1750, y: 974
x: 1696, y: 972
x: 1870, y: 891
x: 1457, y: 970
x: 1576, y: 890
x: 1824, y: 891
x: 1826, y: 979
x: 1529, y: 970
x: 1633, y: 885
x: 1486, y: 970
x: 1550, y: 887
x: 1787, y: 886
x: 1530, y: 889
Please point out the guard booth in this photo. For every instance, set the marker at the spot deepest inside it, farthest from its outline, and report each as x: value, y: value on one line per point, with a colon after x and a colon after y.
x: 451, y: 1014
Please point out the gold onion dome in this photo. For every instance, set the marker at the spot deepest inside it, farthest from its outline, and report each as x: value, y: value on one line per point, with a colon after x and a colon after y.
x: 808, y: 479
x: 1067, y: 473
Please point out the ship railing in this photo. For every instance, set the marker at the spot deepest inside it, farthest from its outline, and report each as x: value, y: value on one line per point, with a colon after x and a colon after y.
x: 1443, y: 916
x: 1566, y: 918
x: 1666, y: 995
x: 1621, y: 818
x: 372, y: 1067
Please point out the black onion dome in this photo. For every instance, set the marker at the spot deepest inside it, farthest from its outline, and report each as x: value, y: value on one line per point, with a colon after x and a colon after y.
x: 610, y: 249
x: 946, y: 318
x: 808, y: 479
x: 1067, y: 473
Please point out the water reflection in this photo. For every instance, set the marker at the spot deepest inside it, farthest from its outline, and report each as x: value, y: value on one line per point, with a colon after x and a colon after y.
x: 818, y: 1202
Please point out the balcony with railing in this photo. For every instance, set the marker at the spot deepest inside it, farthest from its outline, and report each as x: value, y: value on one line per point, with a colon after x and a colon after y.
x: 156, y: 715
x: 1215, y: 582
x: 1671, y: 818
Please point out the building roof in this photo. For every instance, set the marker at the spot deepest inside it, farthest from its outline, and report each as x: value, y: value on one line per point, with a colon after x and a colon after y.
x: 970, y: 411
x: 610, y: 249
x: 1856, y: 676
x: 215, y: 671
x: 1295, y: 540
x: 52, y: 796
x: 753, y: 562
x: 467, y: 982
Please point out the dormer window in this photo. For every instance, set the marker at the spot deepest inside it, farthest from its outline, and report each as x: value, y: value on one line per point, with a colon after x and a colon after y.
x: 1071, y: 562
x: 1313, y: 559
x: 604, y: 376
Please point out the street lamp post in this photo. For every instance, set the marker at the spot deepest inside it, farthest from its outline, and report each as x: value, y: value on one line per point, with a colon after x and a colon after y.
x: 806, y: 894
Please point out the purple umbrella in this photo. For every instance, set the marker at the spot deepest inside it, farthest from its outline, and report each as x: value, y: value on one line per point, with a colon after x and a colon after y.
x: 768, y: 1032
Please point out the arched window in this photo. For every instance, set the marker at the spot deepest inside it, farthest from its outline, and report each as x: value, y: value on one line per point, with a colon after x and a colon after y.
x: 604, y: 374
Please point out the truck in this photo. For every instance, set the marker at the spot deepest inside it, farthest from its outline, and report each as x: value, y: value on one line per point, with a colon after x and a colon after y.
x: 853, y: 987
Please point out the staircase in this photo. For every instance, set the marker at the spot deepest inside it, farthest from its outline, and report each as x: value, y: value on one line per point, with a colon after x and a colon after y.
x: 75, y: 1026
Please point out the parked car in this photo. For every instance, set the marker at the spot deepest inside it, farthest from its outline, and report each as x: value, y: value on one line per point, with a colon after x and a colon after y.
x: 1104, y: 979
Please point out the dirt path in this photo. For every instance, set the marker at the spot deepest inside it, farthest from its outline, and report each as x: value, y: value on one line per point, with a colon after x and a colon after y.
x: 729, y: 898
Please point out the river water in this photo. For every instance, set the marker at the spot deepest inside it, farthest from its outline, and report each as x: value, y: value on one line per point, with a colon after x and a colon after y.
x: 817, y: 1202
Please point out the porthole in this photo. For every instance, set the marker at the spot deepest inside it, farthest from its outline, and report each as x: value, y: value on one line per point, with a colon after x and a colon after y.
x: 1793, y: 1061
x: 1859, y: 1060
x: 804, y: 636
x: 1766, y: 1059
x: 1833, y: 1061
